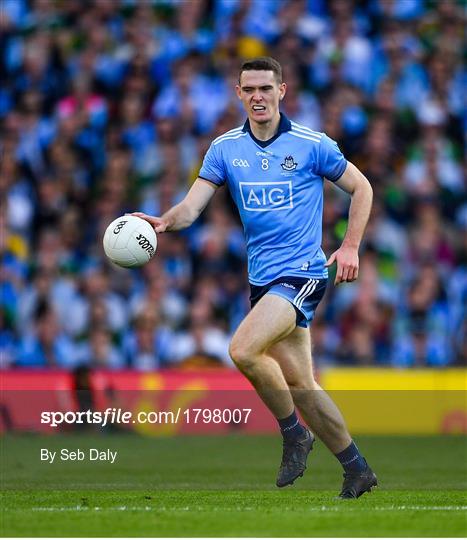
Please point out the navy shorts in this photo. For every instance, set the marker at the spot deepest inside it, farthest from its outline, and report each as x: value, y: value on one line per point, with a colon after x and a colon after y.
x: 303, y: 293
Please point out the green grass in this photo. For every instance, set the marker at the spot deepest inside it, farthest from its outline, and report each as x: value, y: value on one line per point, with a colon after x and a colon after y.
x: 224, y: 486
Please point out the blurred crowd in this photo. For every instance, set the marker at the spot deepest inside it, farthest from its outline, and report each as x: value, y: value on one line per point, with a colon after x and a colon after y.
x: 108, y: 106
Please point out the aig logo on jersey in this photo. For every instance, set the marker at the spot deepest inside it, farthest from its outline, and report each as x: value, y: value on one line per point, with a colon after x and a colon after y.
x: 266, y: 196
x: 240, y: 163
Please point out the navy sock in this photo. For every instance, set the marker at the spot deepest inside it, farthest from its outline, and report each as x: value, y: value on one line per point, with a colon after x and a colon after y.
x: 291, y: 427
x: 351, y: 459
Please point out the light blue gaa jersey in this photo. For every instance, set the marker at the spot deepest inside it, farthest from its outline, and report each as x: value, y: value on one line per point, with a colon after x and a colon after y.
x: 277, y: 186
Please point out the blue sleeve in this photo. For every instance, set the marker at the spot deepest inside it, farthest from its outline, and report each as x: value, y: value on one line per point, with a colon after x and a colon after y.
x: 331, y: 163
x: 213, y: 168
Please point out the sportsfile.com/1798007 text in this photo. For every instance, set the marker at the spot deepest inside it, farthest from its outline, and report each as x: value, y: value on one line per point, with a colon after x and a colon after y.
x: 113, y: 415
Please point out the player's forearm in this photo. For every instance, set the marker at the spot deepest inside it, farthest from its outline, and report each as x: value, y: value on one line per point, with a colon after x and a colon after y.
x: 183, y: 214
x: 179, y: 217
x: 359, y: 213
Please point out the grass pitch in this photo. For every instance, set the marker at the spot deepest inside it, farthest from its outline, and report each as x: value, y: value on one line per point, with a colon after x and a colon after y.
x: 224, y: 486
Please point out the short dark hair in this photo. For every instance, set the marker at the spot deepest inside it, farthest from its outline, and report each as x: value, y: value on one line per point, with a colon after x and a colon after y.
x: 262, y: 63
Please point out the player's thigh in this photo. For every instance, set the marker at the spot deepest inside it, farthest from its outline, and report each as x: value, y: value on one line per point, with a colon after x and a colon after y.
x: 293, y: 354
x: 272, y: 319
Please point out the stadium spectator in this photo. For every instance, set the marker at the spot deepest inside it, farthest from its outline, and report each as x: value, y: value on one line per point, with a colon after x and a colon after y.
x: 99, y: 352
x: 148, y: 345
x: 422, y: 329
x: 203, y: 341
x: 46, y: 345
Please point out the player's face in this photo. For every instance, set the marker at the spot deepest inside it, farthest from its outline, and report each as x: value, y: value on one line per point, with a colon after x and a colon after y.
x: 260, y: 94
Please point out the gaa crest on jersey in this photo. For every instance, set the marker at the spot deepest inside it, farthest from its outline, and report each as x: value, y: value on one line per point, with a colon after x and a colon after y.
x: 289, y: 164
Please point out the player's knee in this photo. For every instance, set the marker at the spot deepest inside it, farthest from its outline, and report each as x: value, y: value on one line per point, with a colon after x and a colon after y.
x: 242, y: 356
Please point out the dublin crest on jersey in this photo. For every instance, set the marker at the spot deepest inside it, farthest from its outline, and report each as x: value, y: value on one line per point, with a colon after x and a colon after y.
x: 289, y: 164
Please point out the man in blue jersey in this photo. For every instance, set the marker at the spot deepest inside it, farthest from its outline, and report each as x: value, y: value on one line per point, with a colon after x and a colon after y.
x: 275, y: 169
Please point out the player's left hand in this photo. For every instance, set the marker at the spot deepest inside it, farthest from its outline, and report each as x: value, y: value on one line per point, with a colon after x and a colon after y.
x: 347, y: 264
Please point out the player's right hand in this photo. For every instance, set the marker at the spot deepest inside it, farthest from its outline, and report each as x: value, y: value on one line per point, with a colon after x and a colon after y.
x: 347, y: 264
x: 158, y: 223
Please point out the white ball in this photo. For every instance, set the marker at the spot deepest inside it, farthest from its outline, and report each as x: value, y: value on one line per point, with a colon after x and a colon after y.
x: 130, y: 241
